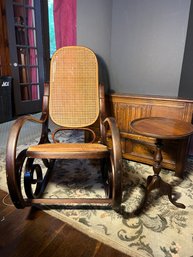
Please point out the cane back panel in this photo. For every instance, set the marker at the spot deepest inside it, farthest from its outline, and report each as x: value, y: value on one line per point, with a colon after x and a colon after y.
x: 74, y: 97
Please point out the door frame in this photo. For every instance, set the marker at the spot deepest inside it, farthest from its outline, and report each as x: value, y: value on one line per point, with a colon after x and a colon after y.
x: 28, y: 106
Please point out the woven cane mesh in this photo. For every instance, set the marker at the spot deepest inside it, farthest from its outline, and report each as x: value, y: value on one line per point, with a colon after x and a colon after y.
x: 74, y: 99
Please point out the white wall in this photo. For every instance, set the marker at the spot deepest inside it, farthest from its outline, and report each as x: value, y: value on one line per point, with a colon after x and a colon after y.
x: 147, y: 45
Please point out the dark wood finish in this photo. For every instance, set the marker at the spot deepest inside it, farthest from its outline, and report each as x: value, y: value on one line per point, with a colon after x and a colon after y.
x: 4, y: 46
x: 109, y: 154
x: 70, y: 201
x: 8, y: 55
x: 140, y: 148
x: 160, y: 128
x: 32, y: 232
x: 14, y: 164
x: 68, y: 151
x: 27, y: 59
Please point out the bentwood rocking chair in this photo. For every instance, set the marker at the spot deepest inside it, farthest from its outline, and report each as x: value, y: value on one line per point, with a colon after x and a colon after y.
x: 73, y: 99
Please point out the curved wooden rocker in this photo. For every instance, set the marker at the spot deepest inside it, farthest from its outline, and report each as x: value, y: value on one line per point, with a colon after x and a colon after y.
x: 73, y: 100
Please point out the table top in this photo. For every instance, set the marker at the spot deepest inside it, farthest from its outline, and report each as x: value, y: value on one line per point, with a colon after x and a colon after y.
x: 162, y: 128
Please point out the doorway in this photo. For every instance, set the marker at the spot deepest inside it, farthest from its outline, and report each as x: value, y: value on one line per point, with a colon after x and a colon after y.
x: 27, y: 53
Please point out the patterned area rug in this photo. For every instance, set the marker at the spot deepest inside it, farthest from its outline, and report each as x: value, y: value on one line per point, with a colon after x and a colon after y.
x: 161, y: 230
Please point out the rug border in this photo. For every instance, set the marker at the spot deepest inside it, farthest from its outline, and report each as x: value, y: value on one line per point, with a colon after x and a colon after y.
x: 95, y: 235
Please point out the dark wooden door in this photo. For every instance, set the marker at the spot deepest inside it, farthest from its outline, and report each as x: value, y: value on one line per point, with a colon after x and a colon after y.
x: 26, y: 54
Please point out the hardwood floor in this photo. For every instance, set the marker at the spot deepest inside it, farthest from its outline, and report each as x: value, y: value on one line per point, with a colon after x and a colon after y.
x: 31, y: 232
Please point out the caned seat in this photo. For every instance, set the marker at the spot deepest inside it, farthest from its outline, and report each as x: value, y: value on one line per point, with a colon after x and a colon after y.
x: 70, y: 150
x: 74, y: 100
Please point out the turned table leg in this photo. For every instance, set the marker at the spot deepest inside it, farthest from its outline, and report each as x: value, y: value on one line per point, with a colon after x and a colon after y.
x: 155, y: 181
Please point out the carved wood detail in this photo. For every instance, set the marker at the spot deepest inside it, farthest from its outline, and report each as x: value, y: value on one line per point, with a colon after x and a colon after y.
x: 138, y: 148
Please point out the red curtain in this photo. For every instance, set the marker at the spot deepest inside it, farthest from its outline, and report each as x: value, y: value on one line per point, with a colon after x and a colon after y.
x: 65, y: 22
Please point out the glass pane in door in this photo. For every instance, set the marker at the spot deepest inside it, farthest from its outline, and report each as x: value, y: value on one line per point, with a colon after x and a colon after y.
x: 24, y: 17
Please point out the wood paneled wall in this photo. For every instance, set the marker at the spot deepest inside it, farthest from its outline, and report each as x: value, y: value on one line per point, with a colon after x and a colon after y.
x: 140, y: 148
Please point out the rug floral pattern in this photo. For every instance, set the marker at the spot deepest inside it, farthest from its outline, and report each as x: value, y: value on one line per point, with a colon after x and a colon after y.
x: 161, y: 230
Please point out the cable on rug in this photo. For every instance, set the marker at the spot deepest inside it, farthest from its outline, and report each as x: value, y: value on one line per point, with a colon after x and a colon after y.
x: 3, y: 201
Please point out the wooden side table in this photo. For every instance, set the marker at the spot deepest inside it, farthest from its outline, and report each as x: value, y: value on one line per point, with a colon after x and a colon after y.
x: 160, y: 128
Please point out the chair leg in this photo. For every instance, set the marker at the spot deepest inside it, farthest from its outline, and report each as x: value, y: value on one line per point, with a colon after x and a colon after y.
x: 116, y: 184
x: 115, y: 162
x: 107, y: 176
x: 14, y: 171
x: 111, y: 173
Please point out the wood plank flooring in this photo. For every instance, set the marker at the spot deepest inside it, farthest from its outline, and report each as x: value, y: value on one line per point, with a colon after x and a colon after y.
x: 31, y: 232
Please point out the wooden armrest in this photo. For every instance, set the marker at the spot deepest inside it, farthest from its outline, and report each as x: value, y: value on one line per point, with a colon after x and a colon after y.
x: 116, y: 142
x: 15, y: 131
